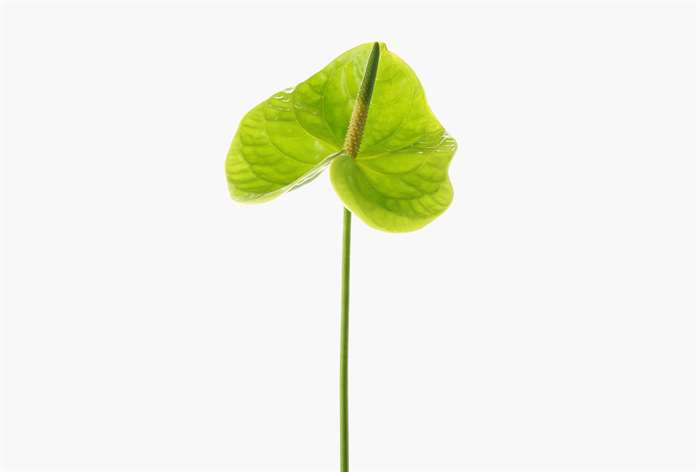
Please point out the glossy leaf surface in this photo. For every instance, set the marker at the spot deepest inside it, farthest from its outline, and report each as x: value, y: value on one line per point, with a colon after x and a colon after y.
x: 397, y: 182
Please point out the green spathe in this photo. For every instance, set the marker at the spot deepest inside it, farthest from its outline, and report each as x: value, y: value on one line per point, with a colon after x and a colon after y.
x: 398, y: 181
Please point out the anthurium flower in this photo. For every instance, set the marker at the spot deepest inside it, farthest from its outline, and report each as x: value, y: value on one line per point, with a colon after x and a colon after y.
x: 395, y: 179
x: 366, y: 116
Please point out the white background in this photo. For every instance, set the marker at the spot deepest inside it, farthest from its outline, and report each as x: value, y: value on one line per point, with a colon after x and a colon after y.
x: 547, y: 320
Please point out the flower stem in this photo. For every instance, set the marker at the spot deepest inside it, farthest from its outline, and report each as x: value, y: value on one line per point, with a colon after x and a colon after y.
x: 351, y: 146
x: 344, y: 322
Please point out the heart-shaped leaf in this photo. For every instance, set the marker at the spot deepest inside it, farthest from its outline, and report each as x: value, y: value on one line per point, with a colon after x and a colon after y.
x: 397, y: 181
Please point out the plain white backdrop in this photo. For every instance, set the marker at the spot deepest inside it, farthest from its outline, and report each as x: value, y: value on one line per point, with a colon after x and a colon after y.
x: 546, y: 321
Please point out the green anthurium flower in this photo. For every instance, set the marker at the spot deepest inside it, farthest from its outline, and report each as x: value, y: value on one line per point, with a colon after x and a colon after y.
x: 366, y: 116
x: 388, y: 156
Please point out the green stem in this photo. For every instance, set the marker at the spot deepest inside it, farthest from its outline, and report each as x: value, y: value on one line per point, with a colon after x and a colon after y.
x: 344, y: 322
x: 351, y: 146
